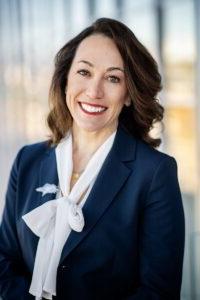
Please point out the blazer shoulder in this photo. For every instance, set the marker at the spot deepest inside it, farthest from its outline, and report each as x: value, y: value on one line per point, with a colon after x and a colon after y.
x: 40, y: 147
x: 140, y: 153
x: 32, y: 152
x: 151, y: 156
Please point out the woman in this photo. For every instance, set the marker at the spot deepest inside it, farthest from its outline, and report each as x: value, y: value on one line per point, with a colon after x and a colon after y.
x: 95, y: 213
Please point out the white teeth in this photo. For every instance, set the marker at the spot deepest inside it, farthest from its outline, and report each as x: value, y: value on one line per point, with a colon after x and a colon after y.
x: 90, y: 108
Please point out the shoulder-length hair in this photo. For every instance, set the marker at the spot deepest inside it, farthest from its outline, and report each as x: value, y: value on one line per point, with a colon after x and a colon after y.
x: 142, y: 79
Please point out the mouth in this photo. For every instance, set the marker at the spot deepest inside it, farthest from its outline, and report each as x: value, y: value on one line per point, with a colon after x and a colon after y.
x: 92, y: 109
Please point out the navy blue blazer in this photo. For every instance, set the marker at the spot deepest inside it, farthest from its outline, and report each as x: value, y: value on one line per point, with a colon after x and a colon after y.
x: 132, y: 244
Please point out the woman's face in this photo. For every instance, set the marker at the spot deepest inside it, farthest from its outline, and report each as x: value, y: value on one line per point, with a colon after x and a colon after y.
x: 96, y: 89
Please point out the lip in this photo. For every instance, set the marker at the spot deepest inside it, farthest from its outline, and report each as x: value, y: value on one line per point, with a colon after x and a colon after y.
x: 94, y: 105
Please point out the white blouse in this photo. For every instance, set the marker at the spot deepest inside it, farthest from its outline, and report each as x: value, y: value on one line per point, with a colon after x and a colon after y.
x: 53, y: 221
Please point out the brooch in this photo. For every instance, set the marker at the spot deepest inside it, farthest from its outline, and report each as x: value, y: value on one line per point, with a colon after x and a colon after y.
x: 47, y: 188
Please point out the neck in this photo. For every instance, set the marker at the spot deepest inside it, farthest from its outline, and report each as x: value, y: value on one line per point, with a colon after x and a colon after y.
x: 87, y: 141
x: 85, y: 144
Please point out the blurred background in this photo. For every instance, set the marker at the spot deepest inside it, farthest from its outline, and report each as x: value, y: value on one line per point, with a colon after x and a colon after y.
x: 31, y: 32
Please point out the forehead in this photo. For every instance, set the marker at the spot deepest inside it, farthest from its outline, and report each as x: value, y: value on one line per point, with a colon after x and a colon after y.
x: 99, y: 49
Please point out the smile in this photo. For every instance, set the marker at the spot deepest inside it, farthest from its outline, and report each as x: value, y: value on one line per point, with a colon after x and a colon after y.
x: 93, y: 109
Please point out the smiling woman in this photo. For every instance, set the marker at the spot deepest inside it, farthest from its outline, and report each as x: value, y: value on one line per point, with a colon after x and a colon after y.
x: 95, y: 212
x: 96, y: 89
x: 124, y: 60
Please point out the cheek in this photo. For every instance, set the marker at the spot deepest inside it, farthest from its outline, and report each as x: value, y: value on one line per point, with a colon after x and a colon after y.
x: 69, y: 100
x: 118, y: 106
x: 75, y: 89
x: 71, y: 93
x: 120, y: 100
x: 118, y: 94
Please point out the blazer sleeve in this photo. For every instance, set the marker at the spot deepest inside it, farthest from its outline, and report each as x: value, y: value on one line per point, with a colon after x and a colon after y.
x: 14, y: 281
x: 161, y: 246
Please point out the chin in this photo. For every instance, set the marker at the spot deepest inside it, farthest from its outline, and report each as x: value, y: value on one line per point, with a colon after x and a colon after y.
x: 96, y: 127
x: 92, y: 128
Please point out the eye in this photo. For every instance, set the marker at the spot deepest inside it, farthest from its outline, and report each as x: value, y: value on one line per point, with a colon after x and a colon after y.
x: 114, y: 79
x: 83, y: 72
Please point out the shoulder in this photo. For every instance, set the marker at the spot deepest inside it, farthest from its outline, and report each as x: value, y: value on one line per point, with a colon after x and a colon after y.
x: 154, y: 166
x: 143, y: 159
x: 150, y: 155
x: 149, y: 161
x: 141, y: 151
x: 36, y: 148
x: 32, y: 153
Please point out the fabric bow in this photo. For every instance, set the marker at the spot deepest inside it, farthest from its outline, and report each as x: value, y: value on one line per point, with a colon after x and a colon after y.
x: 40, y: 218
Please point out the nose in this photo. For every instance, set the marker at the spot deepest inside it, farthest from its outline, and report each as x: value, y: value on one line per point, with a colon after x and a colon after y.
x: 95, y: 89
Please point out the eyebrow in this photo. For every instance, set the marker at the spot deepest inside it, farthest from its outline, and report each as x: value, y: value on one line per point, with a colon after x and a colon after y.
x: 109, y: 69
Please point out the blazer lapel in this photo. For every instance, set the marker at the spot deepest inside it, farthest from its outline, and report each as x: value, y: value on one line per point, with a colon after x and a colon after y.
x: 109, y: 181
x: 48, y: 173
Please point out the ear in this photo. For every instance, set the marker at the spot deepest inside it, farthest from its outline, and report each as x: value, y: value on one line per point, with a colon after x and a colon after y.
x: 128, y: 102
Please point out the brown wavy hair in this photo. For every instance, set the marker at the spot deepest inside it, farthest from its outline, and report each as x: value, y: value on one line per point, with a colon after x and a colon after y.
x: 142, y: 79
